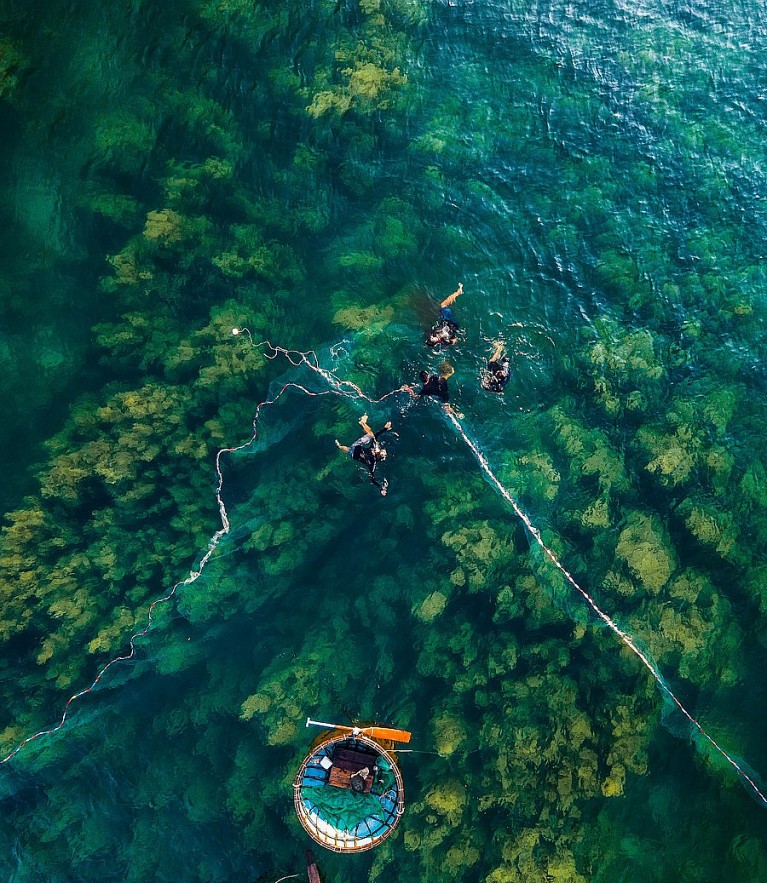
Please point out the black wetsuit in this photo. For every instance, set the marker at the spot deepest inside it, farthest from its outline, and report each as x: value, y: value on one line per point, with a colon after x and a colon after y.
x: 435, y: 385
x: 367, y: 451
x: 445, y: 332
x: 497, y: 375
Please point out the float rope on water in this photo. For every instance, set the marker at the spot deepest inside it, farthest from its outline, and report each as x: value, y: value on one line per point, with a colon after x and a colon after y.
x: 338, y: 387
x: 610, y: 623
x: 348, y: 389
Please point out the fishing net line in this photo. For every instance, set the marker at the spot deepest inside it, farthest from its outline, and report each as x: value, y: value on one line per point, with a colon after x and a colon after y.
x: 319, y: 376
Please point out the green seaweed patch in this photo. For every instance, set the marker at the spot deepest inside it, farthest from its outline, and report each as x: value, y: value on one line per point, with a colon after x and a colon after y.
x: 458, y: 499
x: 448, y: 799
x: 714, y: 528
x: 673, y: 456
x: 590, y: 452
x: 538, y: 476
x: 413, y: 12
x: 719, y: 407
x: 509, y: 604
x: 283, y: 694
x: 645, y: 546
x: 368, y: 77
x: 480, y: 550
x: 618, y: 272
x: 622, y: 365
x: 362, y: 261
x: 370, y: 320
x: 190, y: 186
x: 12, y: 65
x: 396, y: 229
x: 699, y: 636
x: 450, y: 732
x: 207, y: 119
x: 124, y: 141
x: 720, y: 462
x: 753, y: 485
x: 130, y: 269
x: 615, y: 581
x: 431, y: 607
x: 119, y: 208
x: 596, y: 516
x: 169, y: 229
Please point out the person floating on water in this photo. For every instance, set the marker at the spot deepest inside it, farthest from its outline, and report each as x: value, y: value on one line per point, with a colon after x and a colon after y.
x: 368, y: 451
x: 445, y: 332
x: 496, y: 375
x: 434, y: 385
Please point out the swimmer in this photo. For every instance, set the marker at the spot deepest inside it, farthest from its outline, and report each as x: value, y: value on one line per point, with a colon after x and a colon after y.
x: 434, y: 385
x: 445, y: 332
x: 368, y: 451
x: 496, y: 375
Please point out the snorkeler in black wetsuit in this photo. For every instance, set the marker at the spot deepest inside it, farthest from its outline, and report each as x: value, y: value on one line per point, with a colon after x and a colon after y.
x: 368, y: 451
x: 496, y: 375
x: 445, y: 332
x: 434, y: 385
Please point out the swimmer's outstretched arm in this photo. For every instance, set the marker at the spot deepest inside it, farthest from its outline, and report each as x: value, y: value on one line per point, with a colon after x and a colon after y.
x: 344, y: 448
x: 497, y: 351
x: 451, y: 298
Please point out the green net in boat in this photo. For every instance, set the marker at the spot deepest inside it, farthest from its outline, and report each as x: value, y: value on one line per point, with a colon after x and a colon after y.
x: 345, y: 809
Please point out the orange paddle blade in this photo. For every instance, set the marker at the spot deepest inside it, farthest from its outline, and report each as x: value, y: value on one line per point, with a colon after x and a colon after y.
x: 387, y: 733
x: 374, y: 732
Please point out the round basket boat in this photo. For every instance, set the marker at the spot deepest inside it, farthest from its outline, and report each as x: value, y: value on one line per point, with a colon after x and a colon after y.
x: 348, y: 793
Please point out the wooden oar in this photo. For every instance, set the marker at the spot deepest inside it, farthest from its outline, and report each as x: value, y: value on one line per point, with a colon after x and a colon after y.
x: 374, y: 732
x: 313, y: 872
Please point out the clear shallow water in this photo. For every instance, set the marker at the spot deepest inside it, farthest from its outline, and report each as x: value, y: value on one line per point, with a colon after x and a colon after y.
x: 595, y: 177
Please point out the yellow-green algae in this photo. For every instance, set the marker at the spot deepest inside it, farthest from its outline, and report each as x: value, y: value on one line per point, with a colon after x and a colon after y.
x: 320, y: 201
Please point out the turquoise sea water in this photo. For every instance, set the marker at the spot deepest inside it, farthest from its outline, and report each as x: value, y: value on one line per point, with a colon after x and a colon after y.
x: 322, y: 174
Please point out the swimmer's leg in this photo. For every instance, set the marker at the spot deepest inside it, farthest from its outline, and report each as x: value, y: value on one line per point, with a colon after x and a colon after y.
x: 365, y: 427
x: 381, y: 487
x: 371, y: 465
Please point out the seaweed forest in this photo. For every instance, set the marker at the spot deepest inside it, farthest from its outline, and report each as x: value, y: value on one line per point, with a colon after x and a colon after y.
x: 320, y: 174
